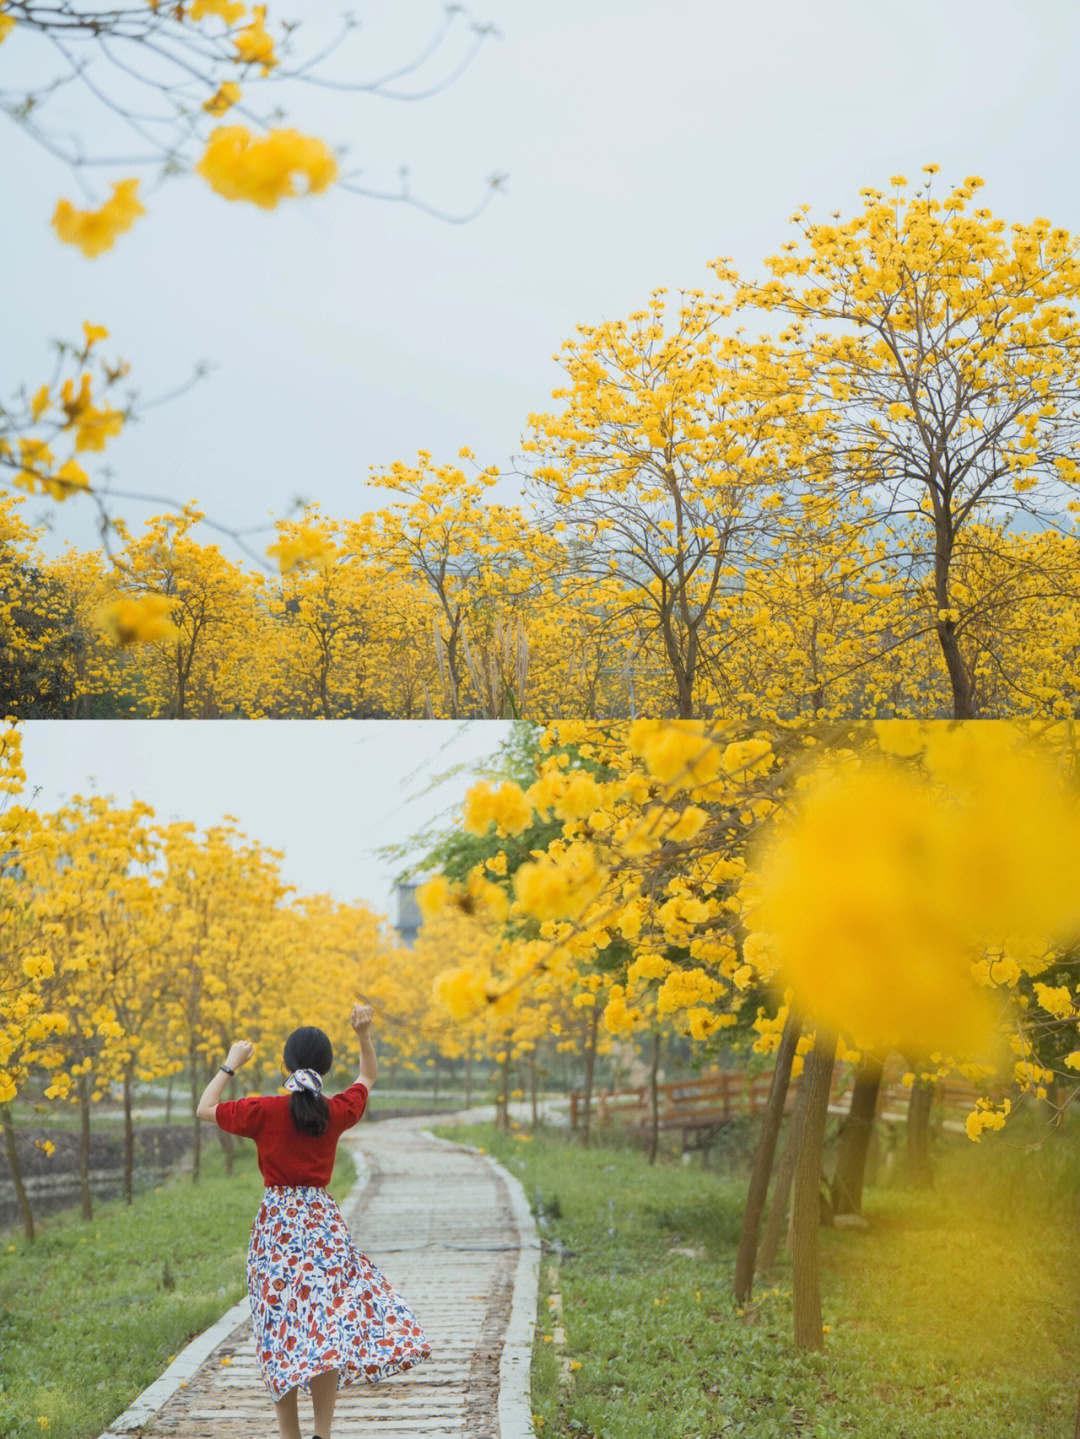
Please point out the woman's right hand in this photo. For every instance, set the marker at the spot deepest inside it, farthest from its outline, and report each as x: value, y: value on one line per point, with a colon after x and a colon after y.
x: 361, y: 1017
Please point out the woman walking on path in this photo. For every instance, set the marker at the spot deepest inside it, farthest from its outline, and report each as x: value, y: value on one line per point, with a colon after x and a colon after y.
x: 323, y: 1315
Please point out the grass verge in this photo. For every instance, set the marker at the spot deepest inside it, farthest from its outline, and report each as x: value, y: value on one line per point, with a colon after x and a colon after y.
x: 88, y: 1316
x: 954, y: 1314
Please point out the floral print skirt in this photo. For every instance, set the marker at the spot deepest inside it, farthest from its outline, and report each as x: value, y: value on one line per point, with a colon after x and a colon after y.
x: 317, y: 1303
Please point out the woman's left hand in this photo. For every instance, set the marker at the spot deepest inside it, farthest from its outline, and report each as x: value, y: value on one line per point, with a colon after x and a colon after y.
x: 240, y: 1053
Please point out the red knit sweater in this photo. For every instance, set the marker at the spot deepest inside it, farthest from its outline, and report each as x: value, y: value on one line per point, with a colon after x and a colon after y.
x: 287, y: 1156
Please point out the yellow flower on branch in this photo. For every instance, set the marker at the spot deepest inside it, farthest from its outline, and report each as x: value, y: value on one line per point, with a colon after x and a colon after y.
x: 506, y: 807
x: 675, y: 750
x: 558, y: 886
x: 223, y: 97
x: 7, y: 24
x: 460, y: 991
x: 241, y: 167
x: 432, y: 896
x: 303, y: 546
x: 95, y: 231
x: 227, y: 10
x: 254, y: 46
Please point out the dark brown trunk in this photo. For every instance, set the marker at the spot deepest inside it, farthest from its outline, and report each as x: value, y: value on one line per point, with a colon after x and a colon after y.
x: 22, y: 1199
x: 84, y: 1146
x: 746, y: 1258
x: 806, y: 1194
x: 168, y: 1098
x: 435, y: 1081
x: 855, y: 1131
x: 776, y: 1222
x: 468, y: 1073
x: 532, y: 1088
x: 654, y: 1100
x: 919, y: 1170
x: 590, y: 1069
x: 196, y: 1150
x: 228, y: 1145
x: 959, y: 679
x: 181, y: 684
x: 129, y: 1138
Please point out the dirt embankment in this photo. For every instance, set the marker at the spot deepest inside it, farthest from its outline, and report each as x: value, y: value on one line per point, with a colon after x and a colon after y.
x: 52, y: 1180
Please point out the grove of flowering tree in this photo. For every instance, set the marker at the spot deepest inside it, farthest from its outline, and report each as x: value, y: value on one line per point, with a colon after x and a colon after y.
x: 868, y: 513
x: 831, y: 892
x: 809, y: 895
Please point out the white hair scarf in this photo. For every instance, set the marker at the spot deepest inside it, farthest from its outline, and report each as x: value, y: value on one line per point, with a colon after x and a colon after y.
x: 305, y: 1079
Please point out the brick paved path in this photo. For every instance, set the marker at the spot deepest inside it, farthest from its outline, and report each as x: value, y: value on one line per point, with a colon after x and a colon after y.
x: 440, y: 1224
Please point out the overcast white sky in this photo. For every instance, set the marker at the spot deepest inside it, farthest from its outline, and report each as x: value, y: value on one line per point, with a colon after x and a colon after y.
x: 642, y: 138
x: 326, y: 794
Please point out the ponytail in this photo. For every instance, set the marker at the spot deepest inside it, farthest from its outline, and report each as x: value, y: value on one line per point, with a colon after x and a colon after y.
x: 310, y: 1112
x: 309, y: 1048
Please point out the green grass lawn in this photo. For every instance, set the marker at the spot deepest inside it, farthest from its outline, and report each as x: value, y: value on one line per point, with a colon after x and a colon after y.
x: 957, y: 1314
x: 86, y: 1322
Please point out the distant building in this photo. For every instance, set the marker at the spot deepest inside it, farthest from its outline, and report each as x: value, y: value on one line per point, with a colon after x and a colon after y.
x: 409, y: 918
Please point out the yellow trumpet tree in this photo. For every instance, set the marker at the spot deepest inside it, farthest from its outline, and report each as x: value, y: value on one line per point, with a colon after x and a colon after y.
x: 480, y: 564
x: 194, y: 613
x: 946, y: 348
x: 671, y: 460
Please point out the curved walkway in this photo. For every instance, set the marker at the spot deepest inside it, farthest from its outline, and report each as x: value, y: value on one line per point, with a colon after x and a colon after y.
x: 452, y: 1232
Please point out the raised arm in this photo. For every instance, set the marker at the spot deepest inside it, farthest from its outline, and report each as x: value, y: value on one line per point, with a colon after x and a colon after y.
x: 239, y: 1054
x: 360, y: 1019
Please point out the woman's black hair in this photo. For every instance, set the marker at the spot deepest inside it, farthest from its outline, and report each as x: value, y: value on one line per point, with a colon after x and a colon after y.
x: 309, y: 1048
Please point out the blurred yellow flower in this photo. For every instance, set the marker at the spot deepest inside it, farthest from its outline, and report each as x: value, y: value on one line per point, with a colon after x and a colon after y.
x: 240, y: 166
x: 95, y: 231
x: 139, y: 619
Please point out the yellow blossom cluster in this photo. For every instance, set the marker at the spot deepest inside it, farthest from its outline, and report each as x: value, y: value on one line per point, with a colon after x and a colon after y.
x: 891, y: 883
x: 505, y: 807
x: 261, y: 169
x: 95, y: 231
x: 224, y: 97
x: 301, y: 545
x: 139, y: 620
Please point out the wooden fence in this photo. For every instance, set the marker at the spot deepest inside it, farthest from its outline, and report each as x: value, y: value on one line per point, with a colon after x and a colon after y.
x: 702, y: 1105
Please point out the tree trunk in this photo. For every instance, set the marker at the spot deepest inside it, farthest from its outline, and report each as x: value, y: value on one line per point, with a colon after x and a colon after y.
x: 21, y: 1196
x: 468, y: 1073
x: 654, y: 1100
x: 775, y: 1224
x: 806, y: 1194
x: 763, y: 1159
x: 435, y: 1081
x: 168, y: 1097
x: 228, y: 1145
x: 959, y: 679
x: 920, y: 1172
x: 196, y: 1152
x: 181, y: 683
x: 84, y: 1146
x: 593, y: 1024
x: 129, y: 1137
x: 502, y: 1103
x: 532, y: 1089
x: 855, y: 1131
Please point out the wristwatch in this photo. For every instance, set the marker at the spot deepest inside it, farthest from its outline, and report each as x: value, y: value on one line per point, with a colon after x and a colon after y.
x: 227, y: 1070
